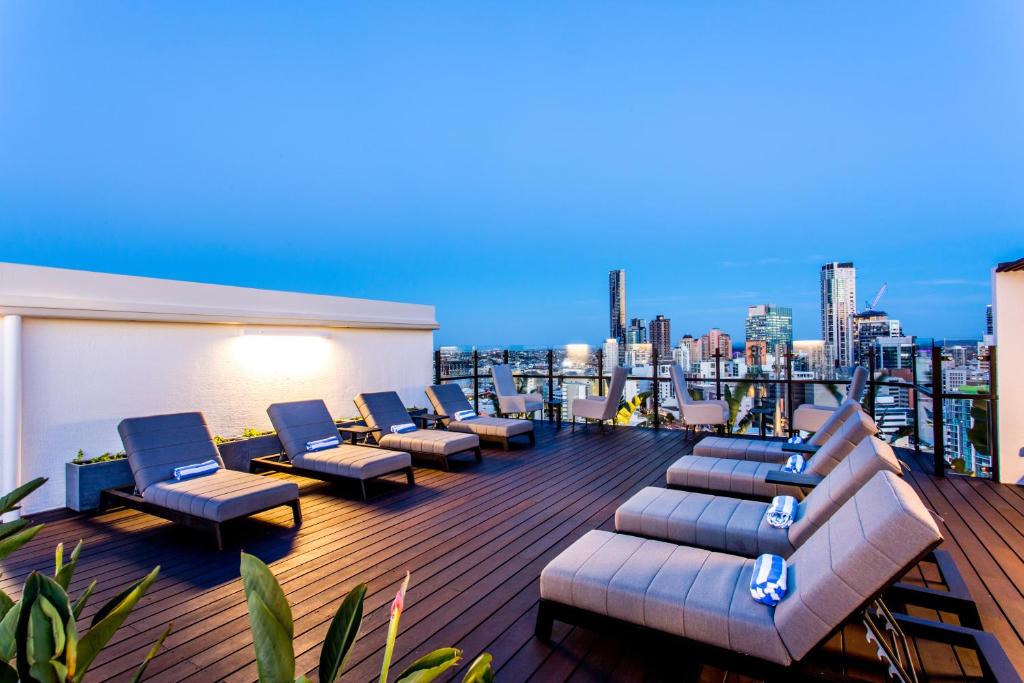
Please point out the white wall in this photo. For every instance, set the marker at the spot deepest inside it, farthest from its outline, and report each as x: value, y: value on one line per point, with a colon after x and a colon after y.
x: 1008, y: 311
x: 82, y: 377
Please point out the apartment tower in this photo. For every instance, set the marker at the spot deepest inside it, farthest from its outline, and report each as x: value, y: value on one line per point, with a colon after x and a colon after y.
x: 838, y: 304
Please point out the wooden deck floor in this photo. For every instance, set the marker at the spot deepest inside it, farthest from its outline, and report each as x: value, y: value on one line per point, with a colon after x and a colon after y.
x: 475, y: 541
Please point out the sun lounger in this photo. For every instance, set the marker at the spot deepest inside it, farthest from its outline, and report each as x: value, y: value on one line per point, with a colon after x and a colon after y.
x: 383, y: 410
x: 158, y: 444
x: 448, y: 399
x: 301, y: 424
x: 809, y: 417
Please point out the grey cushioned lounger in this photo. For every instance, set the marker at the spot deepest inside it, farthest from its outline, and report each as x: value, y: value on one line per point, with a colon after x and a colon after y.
x: 299, y: 422
x: 157, y: 444
x: 764, y: 450
x: 738, y: 526
x: 448, y: 399
x: 866, y: 546
x: 747, y: 477
x: 384, y: 409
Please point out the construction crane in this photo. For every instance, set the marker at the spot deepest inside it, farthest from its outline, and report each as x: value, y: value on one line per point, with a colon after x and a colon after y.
x: 873, y: 303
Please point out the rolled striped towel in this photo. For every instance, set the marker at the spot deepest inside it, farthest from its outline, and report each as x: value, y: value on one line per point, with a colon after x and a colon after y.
x: 196, y: 469
x: 322, y: 444
x: 461, y: 415
x: 795, y: 464
x: 403, y: 428
x: 796, y: 438
x: 768, y: 582
x: 781, y: 512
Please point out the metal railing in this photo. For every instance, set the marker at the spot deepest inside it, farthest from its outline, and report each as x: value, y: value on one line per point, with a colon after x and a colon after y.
x: 931, y: 390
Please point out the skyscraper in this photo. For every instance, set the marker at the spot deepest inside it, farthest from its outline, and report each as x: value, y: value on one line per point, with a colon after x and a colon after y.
x: 714, y: 340
x: 865, y: 328
x: 661, y: 337
x: 637, y: 331
x: 772, y: 325
x: 617, y: 307
x: 988, y: 319
x: 838, y: 304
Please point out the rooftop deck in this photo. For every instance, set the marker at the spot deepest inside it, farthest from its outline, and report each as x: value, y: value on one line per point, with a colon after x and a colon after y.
x: 475, y: 541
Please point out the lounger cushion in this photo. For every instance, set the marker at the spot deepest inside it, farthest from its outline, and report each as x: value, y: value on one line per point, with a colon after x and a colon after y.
x: 866, y: 545
x: 727, y: 475
x: 382, y: 410
x: 494, y: 427
x: 221, y: 496
x: 430, y: 441
x: 850, y: 433
x: 157, y: 444
x: 298, y: 422
x: 810, y: 418
x: 741, y: 449
x: 699, y: 519
x: 357, y: 462
x: 681, y: 590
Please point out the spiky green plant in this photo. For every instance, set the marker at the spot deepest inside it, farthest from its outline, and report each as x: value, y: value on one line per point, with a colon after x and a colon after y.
x: 39, y: 631
x: 270, y: 619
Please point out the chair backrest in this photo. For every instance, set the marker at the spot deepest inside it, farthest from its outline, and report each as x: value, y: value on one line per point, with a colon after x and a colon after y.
x: 157, y: 444
x: 870, y: 456
x: 448, y: 399
x: 869, y: 543
x: 857, y: 384
x: 504, y: 384
x: 616, y: 388
x: 679, y: 385
x: 298, y: 422
x: 840, y: 415
x: 382, y: 410
x: 850, y: 433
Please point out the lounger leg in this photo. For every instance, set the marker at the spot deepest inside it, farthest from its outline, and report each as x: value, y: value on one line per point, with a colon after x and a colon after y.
x: 362, y: 488
x: 533, y: 438
x: 218, y: 538
x: 574, y: 423
x: 545, y: 621
x: 296, y: 512
x: 504, y: 444
x: 410, y: 477
x: 479, y: 454
x: 445, y: 465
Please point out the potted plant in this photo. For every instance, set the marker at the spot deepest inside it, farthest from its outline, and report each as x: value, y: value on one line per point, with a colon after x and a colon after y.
x: 86, y: 477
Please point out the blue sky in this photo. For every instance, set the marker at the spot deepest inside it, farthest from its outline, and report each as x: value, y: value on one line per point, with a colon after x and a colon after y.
x: 497, y: 159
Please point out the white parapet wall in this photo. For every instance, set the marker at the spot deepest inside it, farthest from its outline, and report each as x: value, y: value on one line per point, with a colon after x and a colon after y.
x: 96, y: 348
x: 1008, y: 313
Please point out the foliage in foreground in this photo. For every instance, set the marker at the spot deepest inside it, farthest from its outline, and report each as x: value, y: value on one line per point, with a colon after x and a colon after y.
x: 270, y: 619
x: 40, y: 632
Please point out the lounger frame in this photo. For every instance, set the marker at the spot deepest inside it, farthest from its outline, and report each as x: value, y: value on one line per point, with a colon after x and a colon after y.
x: 280, y: 462
x: 126, y: 497
x: 438, y: 458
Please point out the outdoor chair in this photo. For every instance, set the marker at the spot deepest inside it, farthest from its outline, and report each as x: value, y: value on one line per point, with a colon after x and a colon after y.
x: 761, y: 479
x: 810, y: 418
x: 158, y: 444
x: 448, y: 400
x: 694, y: 413
x: 384, y: 410
x: 603, y: 408
x: 300, y: 424
x: 510, y: 401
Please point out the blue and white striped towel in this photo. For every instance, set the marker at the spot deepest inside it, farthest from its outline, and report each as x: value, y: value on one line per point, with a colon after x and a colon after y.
x: 461, y: 415
x: 796, y: 438
x: 196, y: 470
x: 322, y: 444
x: 795, y: 464
x: 781, y: 512
x: 768, y: 582
x: 403, y: 428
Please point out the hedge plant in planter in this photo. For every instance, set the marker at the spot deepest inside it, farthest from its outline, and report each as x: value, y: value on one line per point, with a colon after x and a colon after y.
x: 86, y: 477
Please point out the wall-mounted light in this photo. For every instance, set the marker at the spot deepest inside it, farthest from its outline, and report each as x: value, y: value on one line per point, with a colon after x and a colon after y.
x: 282, y: 332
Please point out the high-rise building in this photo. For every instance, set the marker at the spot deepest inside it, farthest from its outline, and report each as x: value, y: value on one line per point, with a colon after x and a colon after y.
x: 714, y: 340
x: 682, y: 356
x: 865, y: 328
x: 810, y: 355
x: 661, y: 336
x: 772, y: 325
x: 636, y: 333
x: 988, y: 320
x: 617, y: 307
x: 693, y: 346
x: 756, y: 353
x: 838, y: 304
x: 611, y: 353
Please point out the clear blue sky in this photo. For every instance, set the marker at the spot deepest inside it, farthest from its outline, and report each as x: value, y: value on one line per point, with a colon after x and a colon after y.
x: 497, y: 159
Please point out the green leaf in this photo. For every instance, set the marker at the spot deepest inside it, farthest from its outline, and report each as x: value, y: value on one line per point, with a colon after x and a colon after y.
x: 5, y: 604
x: 66, y: 571
x: 152, y: 653
x: 11, y: 500
x: 114, y: 615
x: 396, y: 613
x: 341, y: 635
x: 430, y: 666
x: 15, y: 541
x: 8, y: 626
x: 270, y: 619
x: 8, y: 528
x: 480, y: 670
x: 114, y: 602
x: 79, y: 604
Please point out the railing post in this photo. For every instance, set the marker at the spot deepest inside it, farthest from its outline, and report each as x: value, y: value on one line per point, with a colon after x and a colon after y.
x: 655, y: 395
x: 437, y: 366
x: 938, y: 423
x: 871, y: 384
x: 600, y: 372
x: 504, y: 356
x: 993, y: 413
x: 718, y: 374
x: 551, y: 375
x: 917, y: 400
x: 476, y: 380
x: 789, y: 391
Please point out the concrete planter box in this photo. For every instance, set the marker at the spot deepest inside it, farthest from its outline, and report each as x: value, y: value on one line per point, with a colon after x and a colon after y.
x: 84, y: 482
x: 236, y: 453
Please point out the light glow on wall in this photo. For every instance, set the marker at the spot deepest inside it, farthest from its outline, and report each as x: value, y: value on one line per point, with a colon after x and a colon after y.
x: 281, y: 353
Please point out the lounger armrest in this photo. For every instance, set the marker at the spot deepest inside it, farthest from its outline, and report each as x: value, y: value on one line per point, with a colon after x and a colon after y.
x: 943, y: 601
x: 808, y: 448
x: 793, y: 479
x: 991, y: 655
